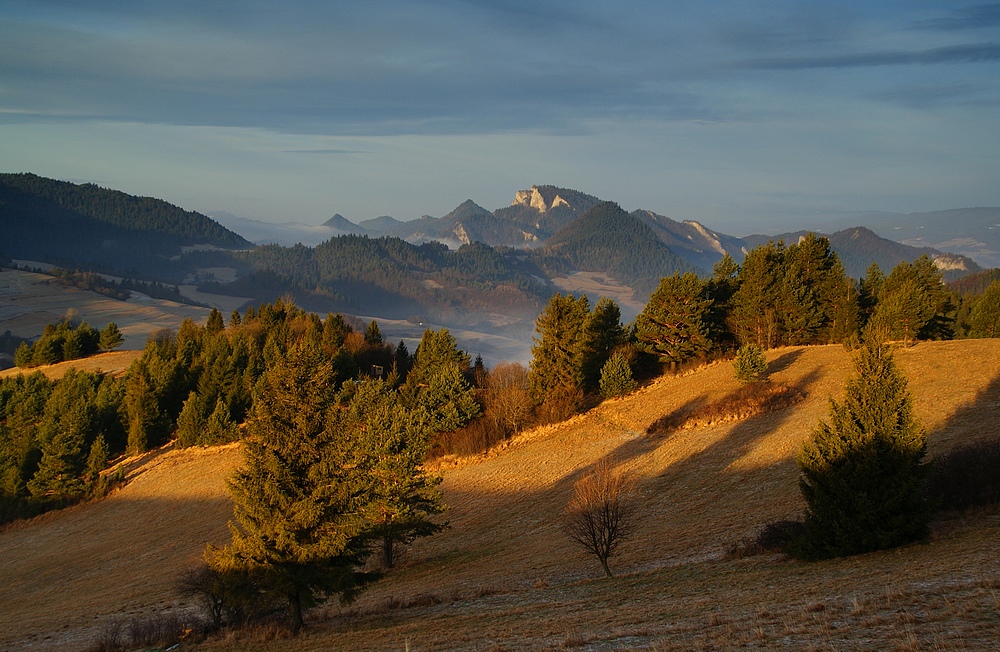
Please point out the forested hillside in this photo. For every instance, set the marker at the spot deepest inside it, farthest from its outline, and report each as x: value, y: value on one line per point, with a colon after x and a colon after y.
x: 607, y: 239
x: 86, y: 226
x: 395, y: 278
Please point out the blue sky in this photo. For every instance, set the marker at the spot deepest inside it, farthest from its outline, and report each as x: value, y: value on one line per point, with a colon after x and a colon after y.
x: 747, y: 116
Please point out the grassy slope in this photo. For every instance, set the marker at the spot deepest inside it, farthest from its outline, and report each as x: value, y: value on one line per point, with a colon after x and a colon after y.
x: 508, y: 579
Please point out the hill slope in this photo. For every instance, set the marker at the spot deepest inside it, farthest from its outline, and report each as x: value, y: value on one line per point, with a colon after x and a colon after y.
x: 509, y: 579
x: 86, y: 226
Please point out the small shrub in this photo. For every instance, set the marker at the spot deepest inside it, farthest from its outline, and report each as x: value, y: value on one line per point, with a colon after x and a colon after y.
x: 748, y: 401
x: 773, y: 537
x: 616, y: 377
x: 750, y: 364
x: 966, y: 476
x: 159, y: 630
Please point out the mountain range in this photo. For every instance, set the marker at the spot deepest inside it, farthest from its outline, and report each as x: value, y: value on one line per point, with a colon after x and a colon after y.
x: 469, y: 266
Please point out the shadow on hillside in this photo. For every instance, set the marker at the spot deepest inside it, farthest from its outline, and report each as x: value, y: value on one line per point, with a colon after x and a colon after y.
x: 977, y: 420
x: 783, y: 361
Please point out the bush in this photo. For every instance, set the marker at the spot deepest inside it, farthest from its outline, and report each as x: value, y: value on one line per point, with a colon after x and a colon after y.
x: 616, y: 377
x: 750, y: 364
x: 773, y: 537
x: 748, y: 401
x: 966, y: 476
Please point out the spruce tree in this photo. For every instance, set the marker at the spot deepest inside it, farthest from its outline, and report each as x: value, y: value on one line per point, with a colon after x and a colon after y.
x: 984, y: 320
x: 556, y: 377
x: 111, y: 338
x: 861, y: 473
x: 616, y: 377
x: 750, y: 365
x: 402, y: 497
x: 602, y: 332
x: 673, y: 325
x: 299, y: 501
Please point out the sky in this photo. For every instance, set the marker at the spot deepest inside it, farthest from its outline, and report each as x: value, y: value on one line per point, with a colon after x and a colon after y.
x: 747, y: 116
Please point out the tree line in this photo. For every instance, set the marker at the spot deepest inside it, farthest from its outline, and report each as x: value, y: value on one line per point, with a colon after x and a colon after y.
x: 778, y: 296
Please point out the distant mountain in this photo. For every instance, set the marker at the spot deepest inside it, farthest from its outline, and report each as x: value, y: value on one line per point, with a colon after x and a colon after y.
x: 83, y: 225
x: 383, y: 225
x: 287, y: 234
x: 971, y: 232
x: 608, y: 239
x: 534, y: 216
x: 859, y: 247
x: 699, y: 246
x: 341, y: 224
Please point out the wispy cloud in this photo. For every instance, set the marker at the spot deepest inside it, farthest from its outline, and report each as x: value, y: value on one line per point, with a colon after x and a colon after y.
x: 976, y: 53
x: 966, y: 18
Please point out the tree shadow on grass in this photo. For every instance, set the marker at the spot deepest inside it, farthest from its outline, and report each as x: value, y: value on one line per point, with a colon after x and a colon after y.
x: 783, y: 361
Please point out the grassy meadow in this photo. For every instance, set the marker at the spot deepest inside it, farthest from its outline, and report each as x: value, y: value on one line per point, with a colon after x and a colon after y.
x: 504, y: 577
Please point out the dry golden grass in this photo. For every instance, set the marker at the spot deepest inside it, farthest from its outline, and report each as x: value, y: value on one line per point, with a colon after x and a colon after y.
x: 115, y: 362
x: 29, y: 301
x: 503, y: 576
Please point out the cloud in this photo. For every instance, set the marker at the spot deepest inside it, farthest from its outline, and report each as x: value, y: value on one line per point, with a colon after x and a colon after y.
x: 966, y: 18
x: 975, y: 53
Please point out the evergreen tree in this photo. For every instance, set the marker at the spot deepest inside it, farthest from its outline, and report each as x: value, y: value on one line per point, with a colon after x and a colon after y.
x: 66, y: 432
x: 437, y: 350
x: 754, y: 316
x: 602, y: 332
x: 720, y: 289
x: 984, y: 320
x: 868, y: 293
x: 215, y: 322
x: 556, y: 376
x: 861, y: 474
x: 372, y: 334
x: 402, y: 497
x: 111, y: 338
x: 750, y: 364
x: 299, y: 501
x: 97, y: 460
x: 616, y: 377
x: 673, y: 323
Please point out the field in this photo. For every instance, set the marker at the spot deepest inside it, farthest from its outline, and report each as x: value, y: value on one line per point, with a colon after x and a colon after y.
x: 29, y: 301
x: 503, y: 576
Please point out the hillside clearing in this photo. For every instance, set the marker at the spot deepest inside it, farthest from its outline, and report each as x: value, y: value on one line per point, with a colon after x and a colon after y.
x: 504, y: 577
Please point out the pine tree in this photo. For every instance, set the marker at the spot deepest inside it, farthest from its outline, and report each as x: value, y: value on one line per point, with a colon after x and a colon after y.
x: 861, y: 474
x: 299, y: 529
x: 673, y: 323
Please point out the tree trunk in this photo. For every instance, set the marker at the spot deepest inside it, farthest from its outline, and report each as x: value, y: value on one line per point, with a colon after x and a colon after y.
x: 295, y: 605
x: 607, y: 569
x: 387, y: 547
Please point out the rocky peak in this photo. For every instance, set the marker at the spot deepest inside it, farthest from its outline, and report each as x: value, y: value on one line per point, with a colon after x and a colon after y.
x: 539, y: 198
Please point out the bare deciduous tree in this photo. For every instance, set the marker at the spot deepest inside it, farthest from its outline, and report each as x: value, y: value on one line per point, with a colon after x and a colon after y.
x: 602, y: 511
x: 508, y: 402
